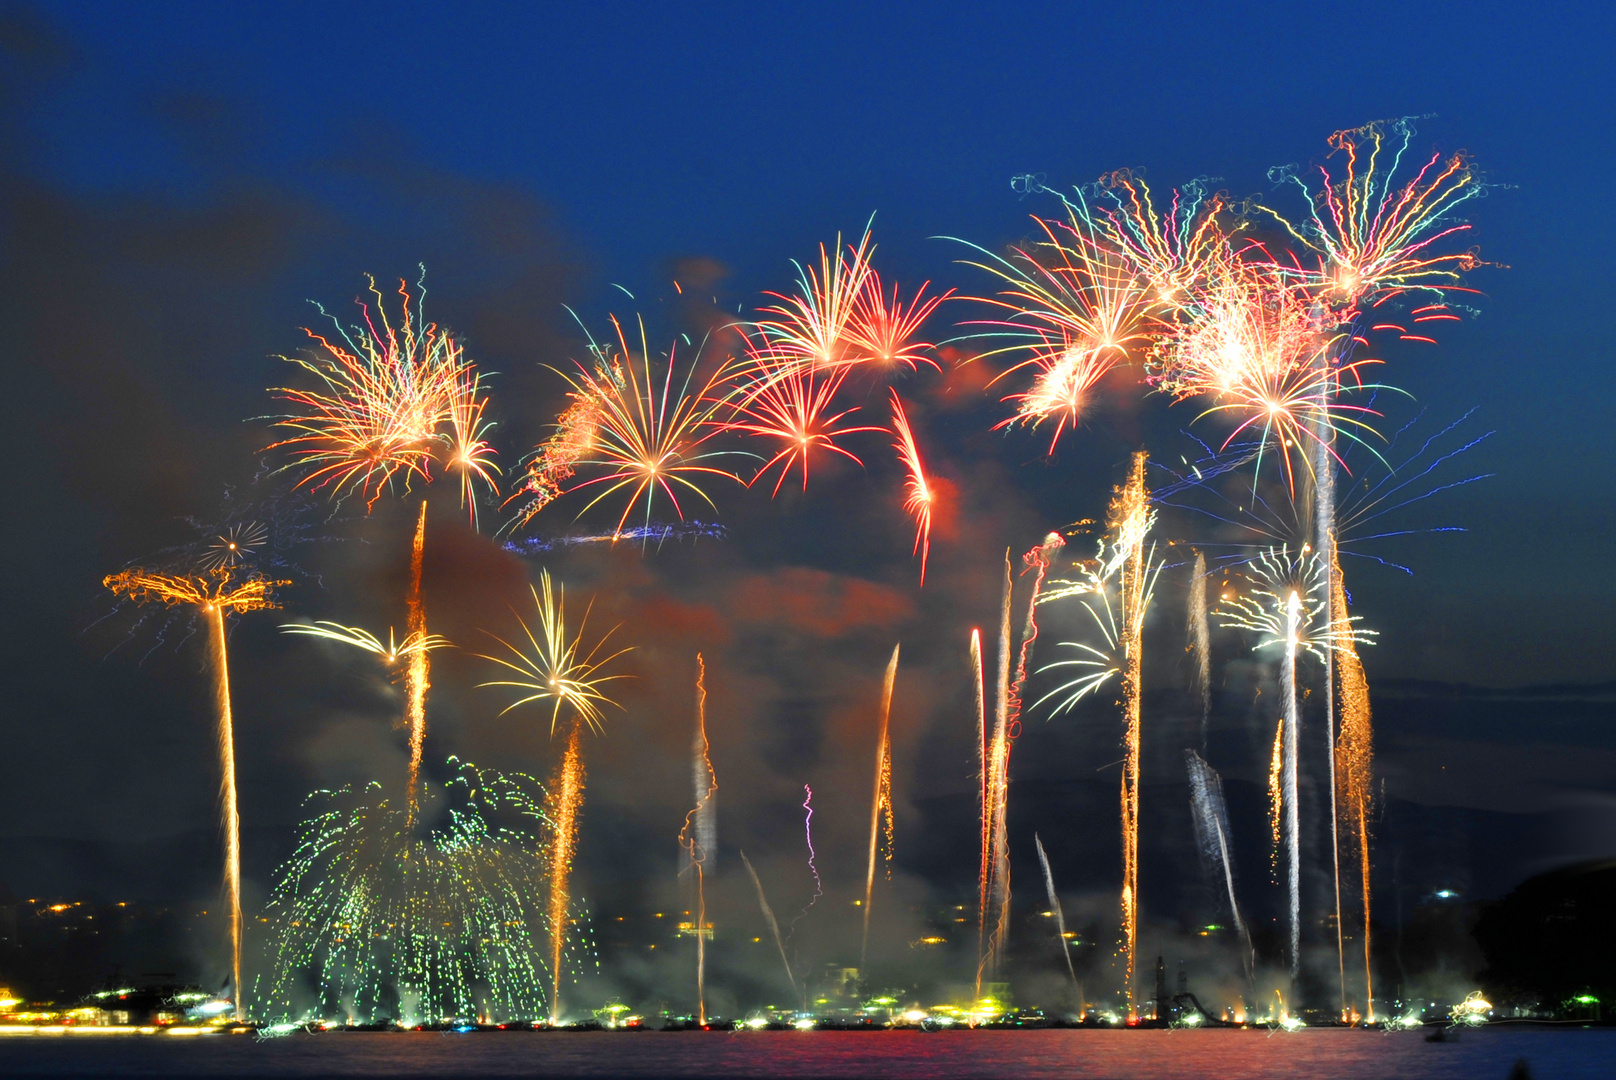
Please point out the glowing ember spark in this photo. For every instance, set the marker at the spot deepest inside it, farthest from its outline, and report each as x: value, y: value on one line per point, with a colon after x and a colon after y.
x: 919, y: 496
x: 554, y: 668
x: 881, y: 801
x: 215, y: 594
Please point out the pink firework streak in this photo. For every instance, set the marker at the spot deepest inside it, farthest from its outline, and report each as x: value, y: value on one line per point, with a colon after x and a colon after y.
x: 808, y: 833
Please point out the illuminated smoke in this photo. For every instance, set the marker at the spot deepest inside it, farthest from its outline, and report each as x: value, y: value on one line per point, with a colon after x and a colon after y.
x: 1212, y: 837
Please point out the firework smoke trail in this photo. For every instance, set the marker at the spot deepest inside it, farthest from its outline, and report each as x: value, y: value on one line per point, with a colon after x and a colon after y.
x: 1055, y: 906
x: 565, y: 808
x: 1130, y: 516
x: 1324, y: 525
x: 415, y: 678
x: 986, y: 813
x: 1288, y: 780
x: 1038, y: 560
x: 882, y: 798
x: 1211, y: 818
x: 1354, y: 765
x: 774, y: 926
x: 701, y: 827
x: 1200, y: 636
x: 213, y: 594
x: 227, y: 791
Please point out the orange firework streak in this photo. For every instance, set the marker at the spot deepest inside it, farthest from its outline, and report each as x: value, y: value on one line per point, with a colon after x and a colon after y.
x: 1128, y: 508
x: 882, y: 799
x: 997, y: 784
x: 566, y: 802
x: 690, y: 838
x: 213, y: 594
x: 1354, y: 760
x: 415, y: 674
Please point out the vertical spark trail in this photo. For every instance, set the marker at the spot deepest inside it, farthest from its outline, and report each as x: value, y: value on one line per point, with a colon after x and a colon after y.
x: 986, y: 814
x: 565, y: 804
x: 1129, y: 518
x: 998, y: 786
x: 1060, y: 917
x: 700, y: 825
x: 1293, y: 816
x: 1038, y: 560
x: 416, y: 682
x: 813, y: 868
x: 1354, y: 766
x: 1324, y: 526
x: 1200, y: 636
x: 232, y: 819
x: 882, y: 799
x: 774, y: 926
x: 1211, y: 818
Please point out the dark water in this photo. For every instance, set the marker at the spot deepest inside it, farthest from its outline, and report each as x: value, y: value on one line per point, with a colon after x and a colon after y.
x: 1217, y: 1055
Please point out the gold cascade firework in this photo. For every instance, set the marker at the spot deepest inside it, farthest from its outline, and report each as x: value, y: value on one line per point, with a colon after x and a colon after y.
x: 881, y: 801
x: 1129, y: 518
x: 415, y: 675
x: 1354, y: 763
x: 214, y: 594
x: 566, y: 799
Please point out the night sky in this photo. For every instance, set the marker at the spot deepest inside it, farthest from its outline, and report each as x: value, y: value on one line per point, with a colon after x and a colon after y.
x: 178, y: 180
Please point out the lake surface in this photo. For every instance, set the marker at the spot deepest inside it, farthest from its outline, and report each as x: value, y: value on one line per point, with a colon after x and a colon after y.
x: 1551, y: 1054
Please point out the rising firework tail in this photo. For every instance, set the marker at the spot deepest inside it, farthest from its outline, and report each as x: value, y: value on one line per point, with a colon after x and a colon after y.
x: 1354, y: 766
x: 699, y: 837
x: 1060, y: 916
x: 773, y: 923
x: 881, y: 800
x: 417, y: 664
x: 564, y: 809
x: 216, y: 593
x: 813, y: 866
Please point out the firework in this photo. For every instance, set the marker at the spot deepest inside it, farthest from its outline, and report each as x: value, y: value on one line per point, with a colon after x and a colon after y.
x: 1375, y: 226
x: 700, y: 829
x: 554, y: 669
x: 632, y: 432
x: 884, y: 332
x: 393, y: 399
x: 813, y: 868
x: 919, y: 496
x: 235, y: 545
x: 417, y: 665
x: 984, y: 805
x: 811, y: 328
x: 214, y: 594
x: 391, y: 653
x: 1060, y: 917
x: 774, y: 925
x: 1211, y: 820
x: 1288, y: 605
x: 1354, y: 761
x: 1075, y: 309
x: 795, y: 409
x: 382, y: 923
x: 565, y: 807
x: 1130, y: 516
x: 1200, y: 640
x: 998, y: 790
x: 881, y: 800
x: 1174, y: 250
x: 660, y: 534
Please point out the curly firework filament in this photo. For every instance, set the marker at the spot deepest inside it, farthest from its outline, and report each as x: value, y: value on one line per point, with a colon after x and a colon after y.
x: 1293, y: 819
x: 416, y: 682
x: 566, y: 802
x: 232, y: 819
x: 882, y: 798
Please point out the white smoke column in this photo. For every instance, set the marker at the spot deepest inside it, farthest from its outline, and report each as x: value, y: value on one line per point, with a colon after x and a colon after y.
x: 1200, y: 636
x: 1060, y: 918
x: 1288, y: 777
x: 1211, y: 817
x: 774, y: 925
